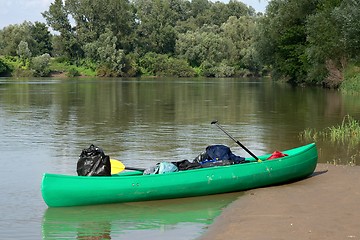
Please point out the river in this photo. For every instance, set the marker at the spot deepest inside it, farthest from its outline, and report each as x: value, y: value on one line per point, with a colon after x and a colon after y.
x: 46, y: 122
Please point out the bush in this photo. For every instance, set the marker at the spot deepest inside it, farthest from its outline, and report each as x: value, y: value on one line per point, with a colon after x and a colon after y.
x: 12, y: 62
x: 4, y: 68
x: 163, y: 65
x: 351, y: 85
x: 207, y: 69
x: 149, y: 63
x: 224, y: 70
x: 73, y: 72
x: 177, y: 67
x: 40, y: 65
x: 15, y: 67
x: 351, y: 82
x: 105, y: 71
x: 131, y: 68
x: 22, y: 72
x: 210, y: 69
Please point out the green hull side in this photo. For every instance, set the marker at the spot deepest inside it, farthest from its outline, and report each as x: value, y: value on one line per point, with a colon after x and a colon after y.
x: 63, y: 190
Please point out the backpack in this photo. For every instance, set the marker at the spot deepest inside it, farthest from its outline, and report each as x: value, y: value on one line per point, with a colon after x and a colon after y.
x: 93, y: 162
x: 218, y: 155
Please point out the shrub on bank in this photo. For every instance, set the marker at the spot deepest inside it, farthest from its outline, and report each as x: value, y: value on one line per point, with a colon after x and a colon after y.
x: 40, y: 65
x: 4, y: 68
x: 73, y: 72
x: 162, y: 65
x: 351, y: 83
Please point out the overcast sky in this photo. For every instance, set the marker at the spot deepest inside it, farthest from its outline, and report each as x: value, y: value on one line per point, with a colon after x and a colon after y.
x: 18, y: 11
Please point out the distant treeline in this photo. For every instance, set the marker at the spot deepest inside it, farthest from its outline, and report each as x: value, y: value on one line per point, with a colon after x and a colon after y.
x: 300, y: 41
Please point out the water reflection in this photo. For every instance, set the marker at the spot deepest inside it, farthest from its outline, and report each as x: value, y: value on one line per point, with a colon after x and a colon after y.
x: 143, y: 120
x: 166, y: 219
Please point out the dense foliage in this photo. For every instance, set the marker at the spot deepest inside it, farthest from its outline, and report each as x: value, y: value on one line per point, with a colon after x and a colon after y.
x: 301, y: 41
x: 311, y: 41
x: 153, y: 37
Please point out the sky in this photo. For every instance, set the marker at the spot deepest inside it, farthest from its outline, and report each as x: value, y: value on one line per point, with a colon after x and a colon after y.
x: 18, y: 11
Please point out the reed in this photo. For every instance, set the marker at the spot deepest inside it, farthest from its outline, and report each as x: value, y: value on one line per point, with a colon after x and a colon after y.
x: 347, y: 132
x: 309, y: 134
x: 351, y: 82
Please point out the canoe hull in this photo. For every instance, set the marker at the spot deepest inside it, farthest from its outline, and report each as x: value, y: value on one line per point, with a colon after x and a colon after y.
x: 62, y: 190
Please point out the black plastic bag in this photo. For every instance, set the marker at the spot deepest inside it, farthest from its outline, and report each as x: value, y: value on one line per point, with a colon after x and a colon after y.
x: 187, y: 165
x: 93, y: 162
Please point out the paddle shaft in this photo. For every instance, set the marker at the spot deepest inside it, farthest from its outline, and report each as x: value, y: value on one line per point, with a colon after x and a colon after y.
x: 136, y: 169
x: 237, y: 141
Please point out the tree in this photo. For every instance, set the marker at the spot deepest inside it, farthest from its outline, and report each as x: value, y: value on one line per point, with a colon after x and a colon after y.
x: 206, y: 44
x: 58, y: 19
x: 333, y: 35
x: 92, y: 17
x: 36, y: 35
x: 156, y: 25
x: 219, y: 12
x: 240, y: 31
x: 104, y: 52
x: 282, y: 42
x: 24, y: 52
x: 41, y: 39
x: 12, y: 35
x: 199, y: 7
x: 324, y: 38
x: 216, y: 13
x: 239, y: 9
x: 348, y: 14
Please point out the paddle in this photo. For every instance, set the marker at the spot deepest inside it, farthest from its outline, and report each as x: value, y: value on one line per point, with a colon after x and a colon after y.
x: 237, y: 141
x: 117, y: 166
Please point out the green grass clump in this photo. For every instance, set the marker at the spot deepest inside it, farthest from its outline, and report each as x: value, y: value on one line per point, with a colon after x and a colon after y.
x: 309, y: 134
x: 351, y: 85
x: 347, y: 132
x: 71, y: 70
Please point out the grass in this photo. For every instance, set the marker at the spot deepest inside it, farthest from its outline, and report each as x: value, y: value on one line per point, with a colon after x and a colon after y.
x: 351, y: 83
x: 57, y: 66
x: 17, y: 68
x: 309, y: 134
x: 347, y: 132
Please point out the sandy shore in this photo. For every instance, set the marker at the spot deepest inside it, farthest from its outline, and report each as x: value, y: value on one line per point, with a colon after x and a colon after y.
x: 323, y: 206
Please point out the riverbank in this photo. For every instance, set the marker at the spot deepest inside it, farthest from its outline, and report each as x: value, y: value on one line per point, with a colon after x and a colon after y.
x: 323, y: 206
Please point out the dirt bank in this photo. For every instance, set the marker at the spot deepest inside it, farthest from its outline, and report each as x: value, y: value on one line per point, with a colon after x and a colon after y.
x: 323, y: 206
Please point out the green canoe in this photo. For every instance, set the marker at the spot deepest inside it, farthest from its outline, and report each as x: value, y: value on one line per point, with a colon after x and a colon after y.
x: 63, y: 190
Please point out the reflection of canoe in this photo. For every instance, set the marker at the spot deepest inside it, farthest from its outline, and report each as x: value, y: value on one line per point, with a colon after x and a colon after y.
x: 124, y: 218
x: 63, y: 190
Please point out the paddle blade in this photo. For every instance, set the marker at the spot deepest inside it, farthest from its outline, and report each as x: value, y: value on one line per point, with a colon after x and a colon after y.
x: 116, y: 166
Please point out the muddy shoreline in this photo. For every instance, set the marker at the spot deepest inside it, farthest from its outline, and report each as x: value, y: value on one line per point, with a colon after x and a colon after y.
x: 323, y: 206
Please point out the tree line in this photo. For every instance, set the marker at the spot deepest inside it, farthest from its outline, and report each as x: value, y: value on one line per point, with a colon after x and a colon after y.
x: 312, y: 41
x: 300, y: 41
